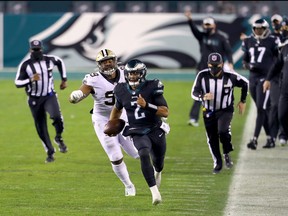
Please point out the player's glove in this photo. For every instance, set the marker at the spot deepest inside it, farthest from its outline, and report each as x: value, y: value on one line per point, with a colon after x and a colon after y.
x: 76, y: 96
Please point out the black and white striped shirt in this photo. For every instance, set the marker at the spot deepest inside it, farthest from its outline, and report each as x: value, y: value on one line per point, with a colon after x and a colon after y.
x: 222, y: 88
x: 44, y: 68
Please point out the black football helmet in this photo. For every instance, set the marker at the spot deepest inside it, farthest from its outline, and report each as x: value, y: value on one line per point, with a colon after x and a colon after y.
x: 135, y: 72
x: 261, y: 23
x: 103, y: 55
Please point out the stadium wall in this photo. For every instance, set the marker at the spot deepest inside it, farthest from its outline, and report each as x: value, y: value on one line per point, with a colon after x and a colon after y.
x: 160, y: 40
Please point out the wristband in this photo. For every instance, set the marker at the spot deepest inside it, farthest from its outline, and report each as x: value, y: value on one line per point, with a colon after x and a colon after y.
x: 151, y: 107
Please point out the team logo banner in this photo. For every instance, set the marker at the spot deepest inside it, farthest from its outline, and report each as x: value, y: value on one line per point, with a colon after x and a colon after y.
x: 160, y: 40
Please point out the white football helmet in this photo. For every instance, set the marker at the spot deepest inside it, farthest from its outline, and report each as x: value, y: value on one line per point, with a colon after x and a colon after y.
x: 107, y: 68
x: 263, y: 24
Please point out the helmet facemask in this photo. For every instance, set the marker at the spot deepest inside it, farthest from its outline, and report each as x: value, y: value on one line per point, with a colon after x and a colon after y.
x: 135, y: 72
x: 106, y: 62
x: 260, y: 24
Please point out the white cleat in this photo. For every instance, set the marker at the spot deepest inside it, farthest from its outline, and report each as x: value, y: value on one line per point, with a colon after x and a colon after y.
x: 193, y: 122
x: 156, y: 196
x: 158, y: 178
x: 130, y: 190
x: 283, y: 142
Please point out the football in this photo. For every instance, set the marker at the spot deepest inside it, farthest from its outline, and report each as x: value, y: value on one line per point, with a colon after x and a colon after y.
x: 114, y: 126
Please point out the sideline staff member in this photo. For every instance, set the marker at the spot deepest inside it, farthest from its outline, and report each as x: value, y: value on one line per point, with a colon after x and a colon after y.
x: 214, y: 87
x: 35, y: 74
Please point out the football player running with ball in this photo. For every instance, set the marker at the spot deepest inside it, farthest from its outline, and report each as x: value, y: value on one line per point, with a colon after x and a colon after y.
x: 100, y: 85
x: 145, y: 105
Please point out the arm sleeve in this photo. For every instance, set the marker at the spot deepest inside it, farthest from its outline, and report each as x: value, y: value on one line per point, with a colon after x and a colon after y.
x: 22, y: 78
x: 197, y: 92
x: 61, y: 68
x: 228, y: 50
x: 198, y: 34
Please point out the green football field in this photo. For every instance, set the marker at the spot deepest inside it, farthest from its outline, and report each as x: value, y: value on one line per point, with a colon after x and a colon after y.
x: 82, y: 182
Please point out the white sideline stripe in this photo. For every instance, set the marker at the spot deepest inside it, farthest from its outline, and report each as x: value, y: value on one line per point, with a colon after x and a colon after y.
x: 234, y: 189
x: 259, y: 183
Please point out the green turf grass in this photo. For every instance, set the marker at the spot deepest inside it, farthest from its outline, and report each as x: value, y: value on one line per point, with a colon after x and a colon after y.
x: 82, y: 182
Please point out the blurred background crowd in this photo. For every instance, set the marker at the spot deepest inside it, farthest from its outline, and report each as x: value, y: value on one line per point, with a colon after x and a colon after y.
x: 241, y: 8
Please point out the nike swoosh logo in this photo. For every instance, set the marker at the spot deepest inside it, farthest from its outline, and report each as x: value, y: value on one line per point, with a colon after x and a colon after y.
x: 161, y: 134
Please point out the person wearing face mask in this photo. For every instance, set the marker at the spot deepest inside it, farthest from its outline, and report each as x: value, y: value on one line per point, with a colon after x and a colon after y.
x: 260, y: 51
x: 214, y: 87
x: 35, y: 74
x: 281, y: 67
x: 210, y: 40
x: 275, y: 126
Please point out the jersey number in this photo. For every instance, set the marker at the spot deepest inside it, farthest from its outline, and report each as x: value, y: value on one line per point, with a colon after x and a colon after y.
x: 260, y: 52
x: 110, y: 98
x: 137, y: 113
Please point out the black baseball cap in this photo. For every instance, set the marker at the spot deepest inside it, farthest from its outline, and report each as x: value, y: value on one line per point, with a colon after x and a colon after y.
x: 35, y: 44
x: 215, y: 59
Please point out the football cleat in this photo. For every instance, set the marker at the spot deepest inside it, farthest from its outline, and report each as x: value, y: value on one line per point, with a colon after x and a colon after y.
x: 228, y: 161
x: 61, y: 145
x: 217, y: 169
x: 252, y: 144
x: 283, y: 142
x: 49, y: 159
x: 130, y: 190
x: 193, y: 122
x: 270, y: 143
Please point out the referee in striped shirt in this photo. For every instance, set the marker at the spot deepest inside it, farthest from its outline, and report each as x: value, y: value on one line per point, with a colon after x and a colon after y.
x: 35, y: 74
x: 214, y: 88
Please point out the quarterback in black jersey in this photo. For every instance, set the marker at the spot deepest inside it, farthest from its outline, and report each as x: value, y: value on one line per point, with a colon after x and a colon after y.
x: 145, y: 105
x: 260, y: 51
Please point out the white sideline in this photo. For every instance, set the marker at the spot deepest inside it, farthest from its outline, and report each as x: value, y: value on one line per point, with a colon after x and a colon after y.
x: 260, y: 182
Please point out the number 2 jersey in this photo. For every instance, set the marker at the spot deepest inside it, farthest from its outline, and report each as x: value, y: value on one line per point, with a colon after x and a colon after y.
x: 260, y: 54
x: 102, y: 94
x: 140, y: 118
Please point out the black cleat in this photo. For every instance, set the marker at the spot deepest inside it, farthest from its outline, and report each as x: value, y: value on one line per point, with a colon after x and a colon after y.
x: 252, y: 144
x: 61, y: 145
x: 269, y: 144
x: 49, y: 159
x: 228, y: 161
x: 217, y: 169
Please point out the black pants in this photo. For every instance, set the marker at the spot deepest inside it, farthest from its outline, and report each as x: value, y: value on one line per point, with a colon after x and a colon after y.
x: 39, y: 106
x: 151, y: 146
x: 218, y: 129
x: 195, y: 110
x: 275, y: 126
x: 283, y: 112
x: 262, y: 103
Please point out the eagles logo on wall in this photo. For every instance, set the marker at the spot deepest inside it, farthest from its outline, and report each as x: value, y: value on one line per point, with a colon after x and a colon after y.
x: 160, y: 40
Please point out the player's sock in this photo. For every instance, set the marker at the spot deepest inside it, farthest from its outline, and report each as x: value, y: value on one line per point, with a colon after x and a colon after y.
x: 122, y: 173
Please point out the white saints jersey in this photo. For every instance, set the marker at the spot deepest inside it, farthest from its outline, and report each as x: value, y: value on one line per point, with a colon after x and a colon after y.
x: 103, y: 92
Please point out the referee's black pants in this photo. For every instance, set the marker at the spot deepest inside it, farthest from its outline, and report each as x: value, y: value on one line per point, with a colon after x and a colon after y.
x: 39, y: 106
x: 218, y: 129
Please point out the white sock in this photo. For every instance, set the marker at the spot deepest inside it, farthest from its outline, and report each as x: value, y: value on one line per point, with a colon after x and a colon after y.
x: 154, y: 189
x: 121, y: 171
x: 158, y: 178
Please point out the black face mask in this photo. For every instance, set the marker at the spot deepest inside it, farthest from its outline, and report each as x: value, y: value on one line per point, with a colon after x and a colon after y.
x: 214, y: 70
x: 208, y: 30
x: 285, y: 34
x: 37, y: 55
x: 277, y: 27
